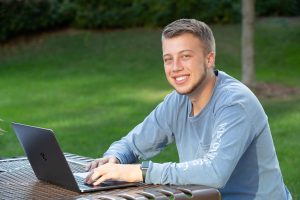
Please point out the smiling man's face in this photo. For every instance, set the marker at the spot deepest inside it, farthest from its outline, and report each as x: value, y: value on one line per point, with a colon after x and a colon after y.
x: 186, y: 62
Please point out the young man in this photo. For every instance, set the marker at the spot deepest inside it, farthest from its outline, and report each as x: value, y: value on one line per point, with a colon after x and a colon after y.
x: 220, y: 128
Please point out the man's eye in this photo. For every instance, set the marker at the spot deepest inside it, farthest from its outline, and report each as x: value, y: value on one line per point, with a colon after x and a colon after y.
x: 186, y: 56
x: 167, y: 60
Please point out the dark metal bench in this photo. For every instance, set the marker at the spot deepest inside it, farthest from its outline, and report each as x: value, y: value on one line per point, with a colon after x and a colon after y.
x: 17, y: 181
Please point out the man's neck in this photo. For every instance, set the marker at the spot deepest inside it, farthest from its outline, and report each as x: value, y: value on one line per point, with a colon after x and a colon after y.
x: 202, y: 94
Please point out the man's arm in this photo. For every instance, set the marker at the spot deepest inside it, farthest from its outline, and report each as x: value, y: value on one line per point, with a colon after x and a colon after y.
x: 143, y: 142
x: 148, y: 138
x: 232, y: 135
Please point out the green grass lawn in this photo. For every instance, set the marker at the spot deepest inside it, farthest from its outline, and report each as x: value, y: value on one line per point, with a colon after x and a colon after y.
x: 92, y: 87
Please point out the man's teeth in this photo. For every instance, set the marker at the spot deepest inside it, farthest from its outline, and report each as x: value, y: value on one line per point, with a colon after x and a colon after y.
x: 180, y: 78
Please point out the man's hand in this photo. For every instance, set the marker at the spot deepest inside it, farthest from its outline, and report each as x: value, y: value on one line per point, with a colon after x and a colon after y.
x: 112, y: 171
x: 101, y: 161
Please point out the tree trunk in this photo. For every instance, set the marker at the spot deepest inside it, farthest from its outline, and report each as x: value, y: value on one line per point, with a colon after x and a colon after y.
x: 248, y: 16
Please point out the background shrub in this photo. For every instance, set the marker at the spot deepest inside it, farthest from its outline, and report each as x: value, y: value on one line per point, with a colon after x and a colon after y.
x: 278, y: 8
x: 27, y: 16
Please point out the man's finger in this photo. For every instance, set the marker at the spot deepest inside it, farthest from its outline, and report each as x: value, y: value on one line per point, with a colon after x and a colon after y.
x: 92, y: 177
x: 87, y: 178
x: 102, y: 161
x: 96, y: 163
x: 101, y: 179
x: 88, y: 166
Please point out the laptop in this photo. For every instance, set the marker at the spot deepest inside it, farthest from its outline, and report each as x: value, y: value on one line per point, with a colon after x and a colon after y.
x: 49, y: 163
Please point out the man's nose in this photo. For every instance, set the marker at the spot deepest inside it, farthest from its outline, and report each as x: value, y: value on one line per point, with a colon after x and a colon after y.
x: 177, y: 65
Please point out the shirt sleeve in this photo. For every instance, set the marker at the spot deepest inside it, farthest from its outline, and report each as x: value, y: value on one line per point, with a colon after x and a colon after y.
x: 231, y: 136
x: 147, y: 139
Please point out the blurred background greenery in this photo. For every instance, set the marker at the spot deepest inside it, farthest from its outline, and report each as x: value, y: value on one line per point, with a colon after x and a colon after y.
x: 92, y: 71
x: 28, y: 16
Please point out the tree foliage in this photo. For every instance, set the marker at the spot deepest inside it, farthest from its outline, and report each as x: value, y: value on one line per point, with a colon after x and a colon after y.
x: 27, y: 16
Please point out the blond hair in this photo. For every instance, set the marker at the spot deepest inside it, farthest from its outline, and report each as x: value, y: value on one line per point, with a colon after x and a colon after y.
x: 193, y: 26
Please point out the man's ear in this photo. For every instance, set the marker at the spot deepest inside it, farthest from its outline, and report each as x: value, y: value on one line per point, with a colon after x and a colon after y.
x: 210, y: 59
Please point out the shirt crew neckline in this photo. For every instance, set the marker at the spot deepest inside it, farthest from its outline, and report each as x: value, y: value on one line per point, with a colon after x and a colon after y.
x: 206, y: 107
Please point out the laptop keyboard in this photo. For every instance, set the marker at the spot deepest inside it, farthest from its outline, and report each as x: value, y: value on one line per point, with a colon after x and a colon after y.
x: 76, y: 167
x: 81, y: 184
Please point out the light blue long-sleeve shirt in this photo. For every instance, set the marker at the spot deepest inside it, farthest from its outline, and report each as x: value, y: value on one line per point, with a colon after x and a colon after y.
x: 228, y: 145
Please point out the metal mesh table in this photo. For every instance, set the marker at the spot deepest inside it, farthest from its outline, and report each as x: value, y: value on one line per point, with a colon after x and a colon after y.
x: 17, y: 181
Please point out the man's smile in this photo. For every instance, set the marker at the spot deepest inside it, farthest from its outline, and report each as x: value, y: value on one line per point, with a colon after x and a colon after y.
x: 179, y: 80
